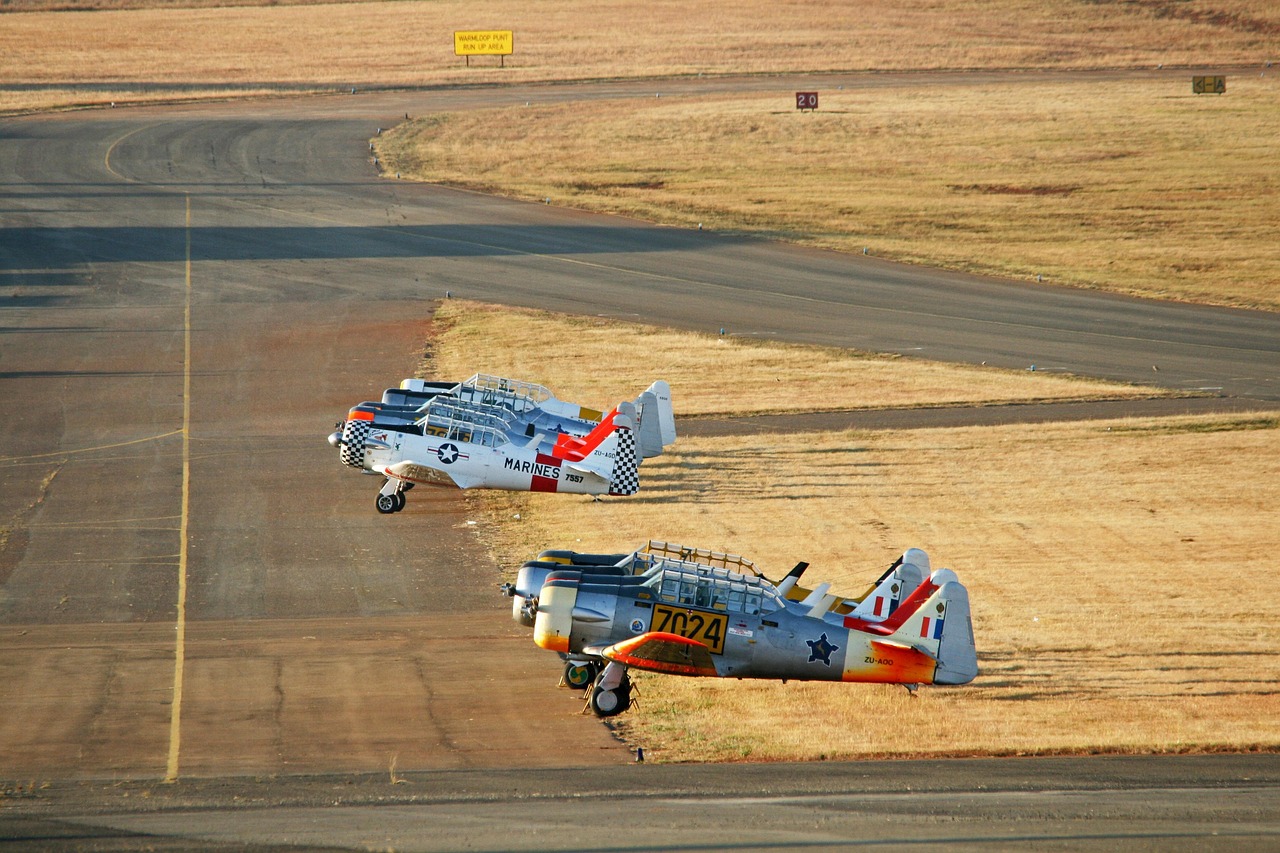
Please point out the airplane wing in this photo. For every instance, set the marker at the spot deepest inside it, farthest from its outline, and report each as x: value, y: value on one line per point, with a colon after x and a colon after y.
x: 415, y: 472
x: 662, y: 652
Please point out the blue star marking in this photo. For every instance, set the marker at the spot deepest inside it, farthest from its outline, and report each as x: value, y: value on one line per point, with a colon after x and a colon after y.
x: 821, y: 649
x: 448, y: 453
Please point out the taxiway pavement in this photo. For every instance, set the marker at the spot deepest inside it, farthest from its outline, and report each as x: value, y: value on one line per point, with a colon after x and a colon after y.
x: 192, y: 587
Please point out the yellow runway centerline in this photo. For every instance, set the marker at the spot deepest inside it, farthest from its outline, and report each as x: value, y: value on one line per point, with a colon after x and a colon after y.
x: 180, y: 629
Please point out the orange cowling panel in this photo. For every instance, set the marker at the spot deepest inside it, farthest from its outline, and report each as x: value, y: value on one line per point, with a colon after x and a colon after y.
x: 658, y: 651
x: 357, y: 415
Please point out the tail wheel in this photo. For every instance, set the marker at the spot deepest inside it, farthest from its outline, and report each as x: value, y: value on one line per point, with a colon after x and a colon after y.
x: 580, y: 675
x: 388, y: 504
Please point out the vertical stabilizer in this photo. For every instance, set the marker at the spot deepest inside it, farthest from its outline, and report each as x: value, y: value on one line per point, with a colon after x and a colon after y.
x: 942, y: 628
x: 650, y: 431
x: 666, y: 414
x: 957, y: 655
x: 625, y: 479
x: 892, y: 589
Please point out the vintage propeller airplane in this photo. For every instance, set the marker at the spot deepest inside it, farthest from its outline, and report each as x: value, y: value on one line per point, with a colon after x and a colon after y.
x: 520, y: 409
x: 906, y: 573
x: 689, y: 619
x: 459, y: 445
x: 534, y: 573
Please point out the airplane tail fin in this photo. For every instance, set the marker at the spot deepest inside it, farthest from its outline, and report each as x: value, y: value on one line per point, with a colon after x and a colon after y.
x: 941, y: 627
x: 625, y: 477
x: 649, y: 433
x: 893, y: 586
x: 656, y: 420
x: 610, y: 447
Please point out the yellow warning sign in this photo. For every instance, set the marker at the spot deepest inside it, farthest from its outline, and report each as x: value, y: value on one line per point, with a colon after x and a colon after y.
x: 1209, y: 85
x: 483, y: 43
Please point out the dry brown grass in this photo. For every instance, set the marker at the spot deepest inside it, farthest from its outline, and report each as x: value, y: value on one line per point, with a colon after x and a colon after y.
x: 1138, y: 186
x: 410, y: 43
x: 537, y: 346
x: 1112, y: 568
x: 1134, y: 187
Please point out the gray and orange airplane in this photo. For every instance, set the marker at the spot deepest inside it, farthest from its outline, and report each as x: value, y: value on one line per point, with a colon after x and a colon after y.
x: 691, y: 619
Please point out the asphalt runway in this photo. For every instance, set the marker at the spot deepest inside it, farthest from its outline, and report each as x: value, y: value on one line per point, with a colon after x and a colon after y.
x: 192, y: 588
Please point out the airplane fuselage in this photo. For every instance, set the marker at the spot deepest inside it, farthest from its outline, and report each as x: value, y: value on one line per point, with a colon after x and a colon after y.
x: 755, y: 635
x: 430, y: 459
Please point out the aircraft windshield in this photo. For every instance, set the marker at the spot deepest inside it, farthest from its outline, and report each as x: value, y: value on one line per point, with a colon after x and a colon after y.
x: 695, y: 585
x: 468, y: 424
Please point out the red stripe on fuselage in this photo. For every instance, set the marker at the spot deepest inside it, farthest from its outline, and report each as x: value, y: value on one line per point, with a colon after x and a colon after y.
x: 543, y: 484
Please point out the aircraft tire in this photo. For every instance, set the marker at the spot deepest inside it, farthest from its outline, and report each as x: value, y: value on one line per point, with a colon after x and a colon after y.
x: 580, y: 676
x: 387, y: 504
x: 610, y: 703
x: 401, y: 500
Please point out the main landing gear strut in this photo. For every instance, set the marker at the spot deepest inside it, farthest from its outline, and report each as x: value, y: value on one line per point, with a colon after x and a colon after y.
x: 611, y: 693
x: 391, y: 498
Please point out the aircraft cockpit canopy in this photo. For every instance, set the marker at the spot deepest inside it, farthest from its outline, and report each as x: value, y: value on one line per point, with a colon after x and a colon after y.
x: 513, y: 394
x: 466, y: 424
x: 694, y: 585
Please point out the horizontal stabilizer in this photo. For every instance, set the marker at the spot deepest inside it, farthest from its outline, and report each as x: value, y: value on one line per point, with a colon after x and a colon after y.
x: 890, y: 645
x: 824, y: 604
x: 811, y: 600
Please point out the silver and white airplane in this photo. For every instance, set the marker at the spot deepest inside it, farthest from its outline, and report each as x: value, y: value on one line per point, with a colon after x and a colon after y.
x: 524, y: 408
x: 471, y: 448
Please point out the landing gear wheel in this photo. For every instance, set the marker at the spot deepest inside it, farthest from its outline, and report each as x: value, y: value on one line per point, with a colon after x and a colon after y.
x: 610, y: 703
x: 387, y: 504
x: 579, y: 675
x: 401, y: 500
